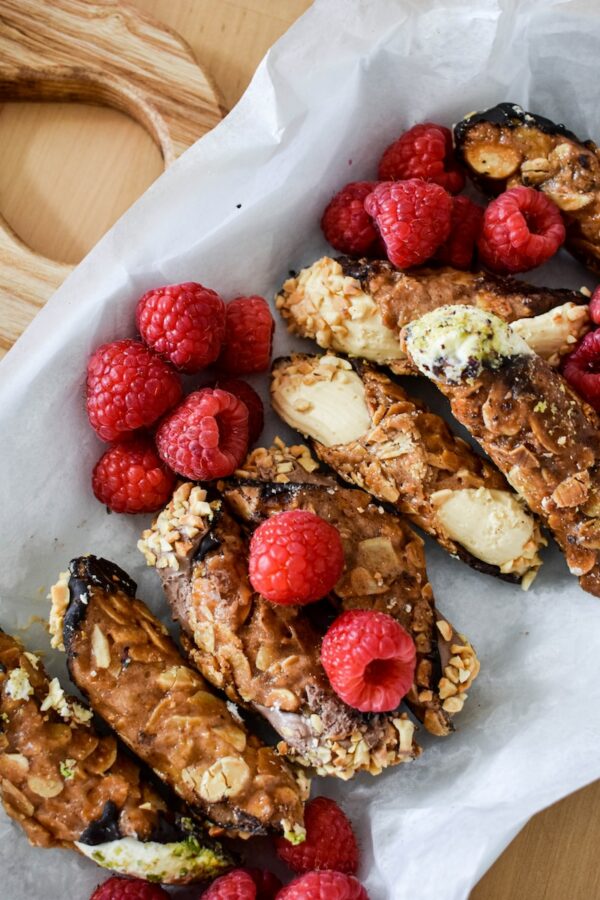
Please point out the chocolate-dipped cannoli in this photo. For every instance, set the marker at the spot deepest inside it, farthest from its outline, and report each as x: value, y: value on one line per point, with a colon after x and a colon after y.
x: 373, y: 435
x: 359, y: 307
x: 122, y: 658
x: 505, y: 146
x: 67, y: 786
x: 384, y: 571
x: 263, y: 655
x: 525, y: 416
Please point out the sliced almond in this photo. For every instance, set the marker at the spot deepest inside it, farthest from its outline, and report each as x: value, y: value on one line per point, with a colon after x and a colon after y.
x: 100, y: 648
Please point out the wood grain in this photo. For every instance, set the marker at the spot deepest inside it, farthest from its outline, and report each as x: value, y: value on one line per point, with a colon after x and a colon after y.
x: 101, y: 53
x: 555, y: 856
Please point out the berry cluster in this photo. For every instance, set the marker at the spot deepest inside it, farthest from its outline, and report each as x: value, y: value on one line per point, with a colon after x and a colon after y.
x: 412, y: 214
x: 325, y: 863
x: 134, y: 389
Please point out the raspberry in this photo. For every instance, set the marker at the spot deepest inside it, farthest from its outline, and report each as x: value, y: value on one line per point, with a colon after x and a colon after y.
x: 424, y: 151
x: 465, y: 227
x: 248, y: 336
x: 346, y: 224
x: 330, y: 842
x: 522, y: 228
x: 253, y: 403
x: 267, y: 884
x: 581, y: 368
x: 128, y: 387
x: 236, y: 885
x: 128, y: 889
x: 324, y: 886
x: 369, y: 660
x: 206, y: 436
x: 594, y: 306
x: 413, y: 218
x: 295, y: 557
x: 131, y: 478
x: 183, y: 323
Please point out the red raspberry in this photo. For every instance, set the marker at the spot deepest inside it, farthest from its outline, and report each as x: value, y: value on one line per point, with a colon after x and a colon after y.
x: 424, y: 151
x: 128, y: 889
x: 324, y: 886
x: 267, y: 884
x: 522, y: 228
x: 295, y: 557
x: 253, y: 403
x: 206, y: 436
x: 369, y: 660
x: 128, y: 387
x: 183, y: 323
x: 581, y: 368
x: 248, y: 336
x: 346, y: 224
x: 413, y: 218
x: 595, y: 306
x: 132, y: 478
x: 465, y: 227
x: 330, y: 842
x: 236, y: 885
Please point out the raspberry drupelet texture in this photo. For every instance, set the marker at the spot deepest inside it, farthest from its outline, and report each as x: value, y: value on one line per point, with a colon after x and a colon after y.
x: 465, y: 227
x: 595, y: 306
x: 369, y: 660
x: 582, y: 369
x: 117, y: 888
x: 132, y: 478
x: 413, y: 218
x: 522, y: 228
x: 256, y: 411
x: 206, y: 436
x: 424, y: 151
x: 267, y: 885
x: 183, y: 323
x: 236, y: 885
x: 330, y: 841
x: 249, y: 329
x: 128, y: 387
x: 346, y: 224
x: 324, y: 886
x: 295, y: 557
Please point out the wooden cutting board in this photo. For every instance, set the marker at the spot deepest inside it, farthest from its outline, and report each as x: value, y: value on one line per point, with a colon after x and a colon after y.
x: 101, y: 53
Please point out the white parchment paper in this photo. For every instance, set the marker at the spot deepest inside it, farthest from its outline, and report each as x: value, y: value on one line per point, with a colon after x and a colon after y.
x: 236, y: 212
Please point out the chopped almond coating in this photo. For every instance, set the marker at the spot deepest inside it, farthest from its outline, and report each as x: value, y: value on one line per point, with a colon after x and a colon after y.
x: 505, y: 146
x: 122, y: 657
x: 525, y: 416
x: 67, y: 786
x: 407, y: 456
x: 266, y: 656
x: 385, y: 571
x: 360, y: 307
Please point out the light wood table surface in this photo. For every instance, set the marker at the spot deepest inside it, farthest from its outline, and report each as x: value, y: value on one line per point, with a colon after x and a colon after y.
x: 67, y: 172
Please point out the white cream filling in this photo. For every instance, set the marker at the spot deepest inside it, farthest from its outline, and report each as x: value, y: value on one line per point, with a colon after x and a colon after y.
x: 455, y: 343
x: 555, y: 332
x: 343, y: 317
x: 329, y: 407
x: 169, y: 863
x: 491, y: 524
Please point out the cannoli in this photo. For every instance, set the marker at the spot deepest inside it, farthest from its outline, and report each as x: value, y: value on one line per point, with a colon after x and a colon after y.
x: 359, y: 307
x: 505, y: 146
x: 385, y: 569
x: 68, y: 786
x: 263, y: 655
x: 373, y: 435
x: 543, y: 437
x: 123, y: 660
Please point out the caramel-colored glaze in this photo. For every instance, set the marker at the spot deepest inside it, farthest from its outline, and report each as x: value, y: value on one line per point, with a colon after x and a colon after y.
x: 121, y: 656
x: 52, y: 809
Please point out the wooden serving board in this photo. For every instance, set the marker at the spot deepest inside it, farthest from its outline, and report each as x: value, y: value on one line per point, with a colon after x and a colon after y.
x: 100, y: 53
